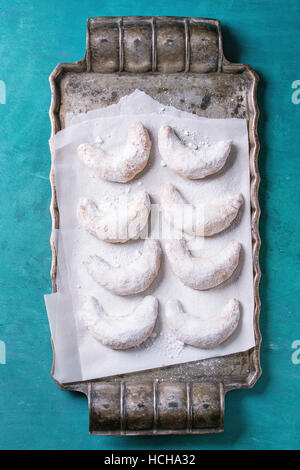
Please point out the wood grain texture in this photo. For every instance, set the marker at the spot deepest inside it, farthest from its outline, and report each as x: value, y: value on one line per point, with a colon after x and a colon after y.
x: 261, y: 33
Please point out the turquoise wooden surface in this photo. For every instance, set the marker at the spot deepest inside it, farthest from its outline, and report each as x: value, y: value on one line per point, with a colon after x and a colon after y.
x: 34, y: 37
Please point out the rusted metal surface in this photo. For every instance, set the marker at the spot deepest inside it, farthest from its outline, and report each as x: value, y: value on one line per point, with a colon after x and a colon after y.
x: 179, y: 62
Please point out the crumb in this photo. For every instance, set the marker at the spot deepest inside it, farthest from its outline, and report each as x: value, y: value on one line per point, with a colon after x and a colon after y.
x: 162, y: 163
x: 192, y: 146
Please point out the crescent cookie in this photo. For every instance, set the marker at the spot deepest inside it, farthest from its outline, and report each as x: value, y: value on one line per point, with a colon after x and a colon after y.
x: 202, y: 273
x: 202, y: 220
x: 130, y: 278
x: 121, y: 166
x: 189, y: 163
x: 122, y: 332
x: 202, y: 333
x: 116, y: 223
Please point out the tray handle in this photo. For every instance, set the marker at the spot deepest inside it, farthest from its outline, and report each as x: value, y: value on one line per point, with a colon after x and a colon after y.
x: 158, y: 407
x: 148, y: 44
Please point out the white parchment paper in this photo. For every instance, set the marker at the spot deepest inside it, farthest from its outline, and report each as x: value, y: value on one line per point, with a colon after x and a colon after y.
x: 78, y: 356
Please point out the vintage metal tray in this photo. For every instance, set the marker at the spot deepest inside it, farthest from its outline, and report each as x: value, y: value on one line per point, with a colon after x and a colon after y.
x: 177, y: 61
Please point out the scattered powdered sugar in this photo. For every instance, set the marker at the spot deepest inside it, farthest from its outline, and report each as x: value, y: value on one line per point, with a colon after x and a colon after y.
x: 195, y: 140
x: 167, y: 342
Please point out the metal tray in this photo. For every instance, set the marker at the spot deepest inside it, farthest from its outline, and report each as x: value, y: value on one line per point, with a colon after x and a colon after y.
x: 177, y: 61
